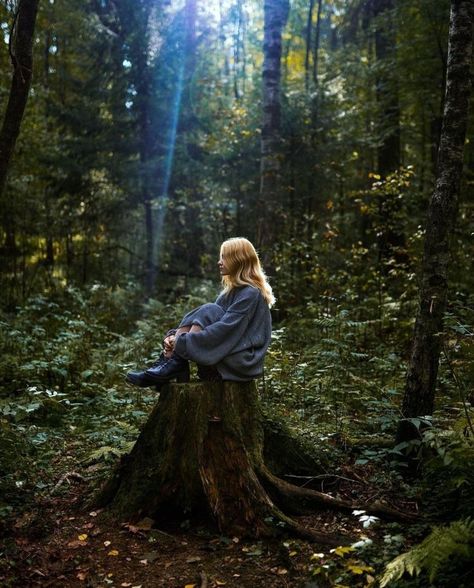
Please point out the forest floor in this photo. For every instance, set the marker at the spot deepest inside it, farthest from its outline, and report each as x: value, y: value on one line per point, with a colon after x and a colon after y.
x: 59, y: 542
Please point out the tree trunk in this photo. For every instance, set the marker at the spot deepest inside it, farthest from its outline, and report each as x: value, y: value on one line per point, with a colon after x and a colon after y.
x: 309, y: 29
x: 268, y: 205
x: 386, y: 91
x: 391, y: 240
x: 423, y: 367
x: 201, y: 452
x: 317, y: 37
x: 21, y: 52
x: 22, y: 59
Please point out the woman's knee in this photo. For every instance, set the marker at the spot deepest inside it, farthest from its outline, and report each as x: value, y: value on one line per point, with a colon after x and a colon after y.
x: 208, y: 313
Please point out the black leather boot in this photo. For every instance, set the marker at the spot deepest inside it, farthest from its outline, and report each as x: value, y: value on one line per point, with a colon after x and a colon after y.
x: 141, y: 379
x: 174, y: 368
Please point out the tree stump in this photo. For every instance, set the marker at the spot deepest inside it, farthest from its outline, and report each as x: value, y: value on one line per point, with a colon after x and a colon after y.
x: 201, y: 452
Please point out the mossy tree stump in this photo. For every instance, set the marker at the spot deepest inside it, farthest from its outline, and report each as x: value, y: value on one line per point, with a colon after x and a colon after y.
x: 201, y: 451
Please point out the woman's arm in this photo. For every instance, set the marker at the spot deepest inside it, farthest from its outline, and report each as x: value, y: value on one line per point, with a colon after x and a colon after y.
x: 216, y: 341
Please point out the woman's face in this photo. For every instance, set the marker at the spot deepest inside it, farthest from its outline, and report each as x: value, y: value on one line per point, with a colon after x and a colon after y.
x: 223, y: 269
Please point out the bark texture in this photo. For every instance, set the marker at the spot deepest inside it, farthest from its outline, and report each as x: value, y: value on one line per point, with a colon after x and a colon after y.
x: 201, y: 453
x: 423, y: 366
x: 268, y: 213
x: 200, y: 450
x: 21, y: 51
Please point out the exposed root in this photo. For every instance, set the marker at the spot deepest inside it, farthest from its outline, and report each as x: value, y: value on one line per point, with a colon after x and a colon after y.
x: 299, y: 499
x: 294, y: 528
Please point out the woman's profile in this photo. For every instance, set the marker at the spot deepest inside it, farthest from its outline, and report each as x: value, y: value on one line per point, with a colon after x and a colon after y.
x: 227, y: 338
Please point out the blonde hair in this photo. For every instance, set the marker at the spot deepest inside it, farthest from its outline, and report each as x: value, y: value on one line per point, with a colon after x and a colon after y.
x: 244, y: 268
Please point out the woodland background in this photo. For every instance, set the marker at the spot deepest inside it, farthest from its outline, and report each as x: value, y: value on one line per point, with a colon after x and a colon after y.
x: 146, y: 142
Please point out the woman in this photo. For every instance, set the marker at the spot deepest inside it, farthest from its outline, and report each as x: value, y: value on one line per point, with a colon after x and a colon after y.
x: 231, y: 335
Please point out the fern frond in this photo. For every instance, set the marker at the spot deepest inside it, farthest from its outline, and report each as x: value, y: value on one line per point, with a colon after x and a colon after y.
x: 431, y: 554
x: 103, y: 453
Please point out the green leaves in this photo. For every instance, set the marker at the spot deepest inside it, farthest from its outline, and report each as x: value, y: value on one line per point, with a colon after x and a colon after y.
x: 443, y: 543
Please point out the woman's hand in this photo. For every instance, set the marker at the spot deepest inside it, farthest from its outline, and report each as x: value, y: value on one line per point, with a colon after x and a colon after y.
x: 168, y: 343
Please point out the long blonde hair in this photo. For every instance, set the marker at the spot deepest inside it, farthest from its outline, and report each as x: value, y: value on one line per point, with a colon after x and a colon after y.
x: 244, y: 267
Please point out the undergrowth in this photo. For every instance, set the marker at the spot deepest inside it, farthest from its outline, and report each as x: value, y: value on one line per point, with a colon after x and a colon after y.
x: 332, y: 373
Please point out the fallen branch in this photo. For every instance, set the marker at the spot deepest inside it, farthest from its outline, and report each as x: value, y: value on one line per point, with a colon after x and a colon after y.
x: 67, y: 478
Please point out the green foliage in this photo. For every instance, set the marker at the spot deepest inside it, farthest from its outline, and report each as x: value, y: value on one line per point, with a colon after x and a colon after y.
x: 443, y: 543
x: 16, y: 466
x: 343, y: 566
x: 449, y: 477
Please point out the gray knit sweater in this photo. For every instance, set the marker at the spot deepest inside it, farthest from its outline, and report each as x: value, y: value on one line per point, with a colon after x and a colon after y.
x: 236, y: 344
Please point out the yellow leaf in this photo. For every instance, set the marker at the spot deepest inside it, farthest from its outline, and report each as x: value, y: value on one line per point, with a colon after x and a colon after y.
x: 190, y: 586
x: 113, y: 552
x: 292, y: 553
x: 359, y: 569
x: 355, y: 569
x: 82, y: 537
x: 341, y: 551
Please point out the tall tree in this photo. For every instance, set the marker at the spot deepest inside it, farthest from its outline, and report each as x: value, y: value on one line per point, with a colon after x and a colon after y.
x: 391, y: 237
x: 423, y: 366
x: 21, y: 53
x: 276, y: 14
x: 388, y: 152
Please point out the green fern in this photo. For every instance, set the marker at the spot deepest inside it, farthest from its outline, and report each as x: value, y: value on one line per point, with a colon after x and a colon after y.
x: 431, y: 554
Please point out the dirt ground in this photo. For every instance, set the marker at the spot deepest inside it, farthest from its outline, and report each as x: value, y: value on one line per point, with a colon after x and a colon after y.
x: 62, y: 544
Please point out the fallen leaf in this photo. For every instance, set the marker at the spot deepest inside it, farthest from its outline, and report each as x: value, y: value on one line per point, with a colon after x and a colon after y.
x: 282, y: 571
x: 82, y: 537
x: 190, y: 586
x: 107, y: 543
x: 113, y: 552
x: 93, y: 513
x: 194, y: 559
x: 81, y: 576
x: 126, y: 584
x: 219, y: 583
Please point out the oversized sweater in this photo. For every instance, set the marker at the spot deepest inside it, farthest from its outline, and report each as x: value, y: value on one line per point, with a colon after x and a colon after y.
x: 236, y: 343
